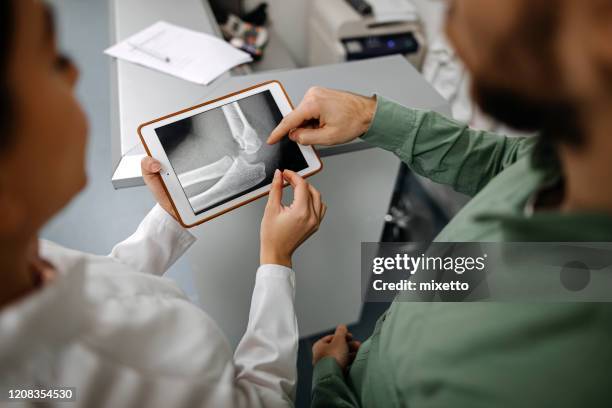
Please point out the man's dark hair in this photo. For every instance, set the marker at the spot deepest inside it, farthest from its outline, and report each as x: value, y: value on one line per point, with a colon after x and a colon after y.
x: 6, y: 41
x: 556, y: 118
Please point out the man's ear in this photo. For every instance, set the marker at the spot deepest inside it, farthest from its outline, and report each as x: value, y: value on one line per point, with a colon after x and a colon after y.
x: 12, y: 213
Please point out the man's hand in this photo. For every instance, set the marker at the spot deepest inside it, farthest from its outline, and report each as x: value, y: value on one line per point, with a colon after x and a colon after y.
x: 284, y: 228
x: 150, y: 173
x: 326, y: 117
x: 339, y: 345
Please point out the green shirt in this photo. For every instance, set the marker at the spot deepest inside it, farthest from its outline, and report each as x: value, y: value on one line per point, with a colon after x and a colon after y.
x: 479, y: 354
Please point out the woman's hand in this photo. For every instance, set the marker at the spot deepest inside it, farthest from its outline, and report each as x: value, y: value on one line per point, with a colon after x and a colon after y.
x: 326, y: 117
x: 150, y: 173
x: 284, y: 228
x: 339, y: 345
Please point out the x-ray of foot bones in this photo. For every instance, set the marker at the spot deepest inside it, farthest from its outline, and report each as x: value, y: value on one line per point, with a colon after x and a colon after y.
x: 235, y: 174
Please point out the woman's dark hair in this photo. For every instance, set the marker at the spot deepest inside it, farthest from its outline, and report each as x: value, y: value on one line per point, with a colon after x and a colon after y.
x: 6, y: 41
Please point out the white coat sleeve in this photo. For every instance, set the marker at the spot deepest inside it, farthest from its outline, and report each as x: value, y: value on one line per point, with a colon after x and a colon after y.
x: 186, y: 360
x: 157, y: 243
x: 266, y: 357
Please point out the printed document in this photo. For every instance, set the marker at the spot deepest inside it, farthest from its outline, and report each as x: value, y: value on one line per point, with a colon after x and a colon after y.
x: 178, y: 51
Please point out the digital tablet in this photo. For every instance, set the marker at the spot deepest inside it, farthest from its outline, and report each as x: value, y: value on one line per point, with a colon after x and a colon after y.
x: 214, y: 156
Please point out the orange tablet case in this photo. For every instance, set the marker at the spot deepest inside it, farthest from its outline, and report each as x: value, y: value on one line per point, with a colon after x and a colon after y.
x: 199, y: 106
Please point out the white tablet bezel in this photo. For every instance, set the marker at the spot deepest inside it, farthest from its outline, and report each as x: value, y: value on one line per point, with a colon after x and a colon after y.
x: 179, y: 199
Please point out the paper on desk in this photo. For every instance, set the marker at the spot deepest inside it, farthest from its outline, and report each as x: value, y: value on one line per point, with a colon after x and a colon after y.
x: 178, y: 51
x: 394, y: 10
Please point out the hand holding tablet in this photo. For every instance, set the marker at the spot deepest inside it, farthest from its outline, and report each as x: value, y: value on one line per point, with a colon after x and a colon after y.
x: 214, y: 157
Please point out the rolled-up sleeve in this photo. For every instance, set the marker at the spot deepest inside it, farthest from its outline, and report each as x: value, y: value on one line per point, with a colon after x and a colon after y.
x: 441, y: 149
x: 157, y: 243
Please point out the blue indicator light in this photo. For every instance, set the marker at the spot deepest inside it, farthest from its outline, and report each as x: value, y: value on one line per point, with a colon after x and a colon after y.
x: 391, y: 44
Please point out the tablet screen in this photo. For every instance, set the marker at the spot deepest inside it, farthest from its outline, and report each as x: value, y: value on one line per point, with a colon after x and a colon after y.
x: 222, y: 154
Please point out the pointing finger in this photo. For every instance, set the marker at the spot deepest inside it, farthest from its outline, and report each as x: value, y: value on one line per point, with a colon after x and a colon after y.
x: 292, y: 121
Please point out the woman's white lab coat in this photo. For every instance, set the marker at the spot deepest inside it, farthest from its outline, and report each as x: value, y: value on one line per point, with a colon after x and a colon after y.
x: 124, y: 336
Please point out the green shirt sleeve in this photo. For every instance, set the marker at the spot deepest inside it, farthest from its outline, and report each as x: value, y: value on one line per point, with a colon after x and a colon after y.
x: 329, y: 388
x: 441, y: 149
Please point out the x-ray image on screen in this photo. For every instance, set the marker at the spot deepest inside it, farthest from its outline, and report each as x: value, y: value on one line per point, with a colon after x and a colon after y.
x: 222, y: 154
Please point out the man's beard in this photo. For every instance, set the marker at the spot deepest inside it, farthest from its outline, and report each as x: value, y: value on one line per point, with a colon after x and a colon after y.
x: 558, y: 121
